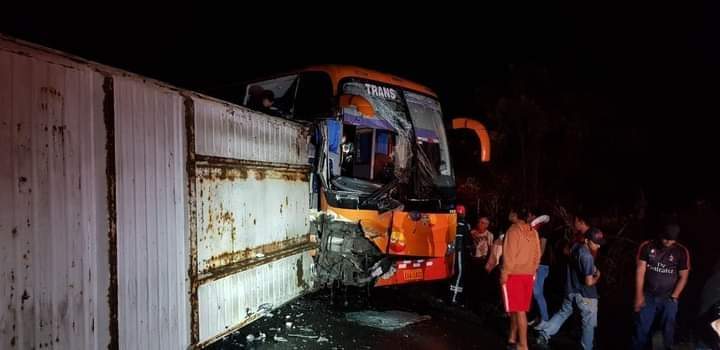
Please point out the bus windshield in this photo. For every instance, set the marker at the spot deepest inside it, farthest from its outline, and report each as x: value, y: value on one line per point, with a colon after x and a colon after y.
x: 389, y: 134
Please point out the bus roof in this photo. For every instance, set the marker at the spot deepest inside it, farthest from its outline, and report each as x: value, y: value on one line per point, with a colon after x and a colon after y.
x: 339, y: 72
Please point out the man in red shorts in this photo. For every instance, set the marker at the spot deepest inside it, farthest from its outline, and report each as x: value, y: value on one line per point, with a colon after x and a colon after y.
x: 521, y: 253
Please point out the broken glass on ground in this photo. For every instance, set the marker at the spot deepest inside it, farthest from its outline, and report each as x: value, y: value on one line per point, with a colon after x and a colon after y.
x: 386, y: 320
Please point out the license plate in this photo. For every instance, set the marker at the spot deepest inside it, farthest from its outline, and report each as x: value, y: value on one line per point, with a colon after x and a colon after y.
x: 413, y: 275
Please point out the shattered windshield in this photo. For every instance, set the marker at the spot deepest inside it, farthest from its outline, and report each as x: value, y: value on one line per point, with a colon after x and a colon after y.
x: 433, y: 153
x: 393, y: 135
x: 379, y: 137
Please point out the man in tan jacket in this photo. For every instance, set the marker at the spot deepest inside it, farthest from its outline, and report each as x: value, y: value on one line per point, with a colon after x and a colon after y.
x: 521, y: 253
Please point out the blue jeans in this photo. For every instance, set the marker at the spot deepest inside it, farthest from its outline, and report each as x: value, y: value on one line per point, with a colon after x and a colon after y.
x: 663, y: 306
x: 538, y: 291
x: 588, y: 310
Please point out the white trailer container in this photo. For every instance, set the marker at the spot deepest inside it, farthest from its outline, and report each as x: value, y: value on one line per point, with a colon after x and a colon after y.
x: 135, y: 215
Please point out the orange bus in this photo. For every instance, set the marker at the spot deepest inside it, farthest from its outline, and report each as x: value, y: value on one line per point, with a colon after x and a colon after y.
x: 383, y: 186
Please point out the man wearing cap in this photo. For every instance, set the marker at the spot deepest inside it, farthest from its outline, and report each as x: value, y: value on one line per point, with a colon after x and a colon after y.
x: 580, y: 287
x: 663, y: 267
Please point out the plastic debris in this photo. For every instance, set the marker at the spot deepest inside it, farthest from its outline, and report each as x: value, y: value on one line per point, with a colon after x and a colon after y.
x: 251, y: 337
x: 279, y: 339
x: 288, y: 325
x: 322, y: 339
x: 264, y: 310
x: 303, y: 336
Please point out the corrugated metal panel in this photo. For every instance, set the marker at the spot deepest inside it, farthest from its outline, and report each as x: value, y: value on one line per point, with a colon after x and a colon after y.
x: 227, y: 131
x: 53, y: 215
x: 251, y: 204
x: 230, y: 302
x: 246, y: 210
x: 151, y: 189
x: 56, y: 225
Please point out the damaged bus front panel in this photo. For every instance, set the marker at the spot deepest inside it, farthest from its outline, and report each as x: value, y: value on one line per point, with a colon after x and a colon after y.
x: 387, y: 194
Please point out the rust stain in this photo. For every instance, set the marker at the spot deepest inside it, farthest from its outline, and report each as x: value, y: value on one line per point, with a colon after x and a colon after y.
x: 191, y: 169
x: 229, y: 174
x: 295, y: 176
x: 300, y: 274
x: 229, y: 258
x: 227, y: 217
x: 244, y: 265
x: 210, y: 225
x: 112, y: 294
x: 51, y: 91
x: 233, y: 169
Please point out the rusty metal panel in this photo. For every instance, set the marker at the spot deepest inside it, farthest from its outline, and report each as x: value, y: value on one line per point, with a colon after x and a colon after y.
x: 53, y: 213
x: 250, y: 180
x: 246, y: 211
x: 108, y: 197
x: 227, y: 131
x: 152, y: 249
x: 234, y: 301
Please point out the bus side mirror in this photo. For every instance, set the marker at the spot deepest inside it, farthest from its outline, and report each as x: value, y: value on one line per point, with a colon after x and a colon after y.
x: 480, y: 131
x: 359, y: 103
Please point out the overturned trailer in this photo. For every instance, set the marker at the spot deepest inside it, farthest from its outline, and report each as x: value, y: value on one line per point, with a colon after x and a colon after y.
x: 135, y: 215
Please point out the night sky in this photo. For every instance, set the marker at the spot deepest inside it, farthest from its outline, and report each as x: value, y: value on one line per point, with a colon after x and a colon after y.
x: 648, y: 75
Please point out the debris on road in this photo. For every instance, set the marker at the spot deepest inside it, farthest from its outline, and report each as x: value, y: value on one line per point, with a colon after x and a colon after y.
x: 303, y: 336
x: 279, y: 339
x: 386, y: 320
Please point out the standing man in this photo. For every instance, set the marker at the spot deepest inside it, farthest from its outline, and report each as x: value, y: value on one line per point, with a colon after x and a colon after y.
x: 482, y: 239
x: 580, y: 288
x: 479, y: 286
x: 521, y: 252
x: 663, y: 266
x: 462, y: 233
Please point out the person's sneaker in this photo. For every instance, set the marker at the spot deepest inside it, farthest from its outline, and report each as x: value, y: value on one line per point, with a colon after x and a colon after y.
x: 542, y: 341
x: 534, y: 322
x: 538, y: 326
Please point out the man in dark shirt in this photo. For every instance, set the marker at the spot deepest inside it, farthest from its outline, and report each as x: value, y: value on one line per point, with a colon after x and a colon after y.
x: 662, y: 271
x: 580, y: 288
x: 461, y: 236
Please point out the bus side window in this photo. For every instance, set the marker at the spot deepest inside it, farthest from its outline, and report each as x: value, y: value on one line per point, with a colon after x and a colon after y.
x: 314, y: 97
x: 283, y: 89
